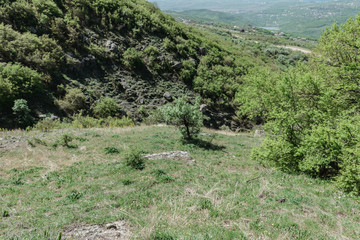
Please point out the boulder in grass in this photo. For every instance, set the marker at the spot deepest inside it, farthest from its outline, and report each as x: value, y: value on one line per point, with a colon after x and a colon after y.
x: 174, y: 155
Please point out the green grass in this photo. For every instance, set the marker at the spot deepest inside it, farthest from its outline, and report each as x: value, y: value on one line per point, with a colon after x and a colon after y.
x: 224, y: 195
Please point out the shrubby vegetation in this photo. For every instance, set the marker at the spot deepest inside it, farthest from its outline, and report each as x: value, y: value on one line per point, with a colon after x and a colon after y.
x: 184, y: 115
x: 80, y: 45
x: 312, y: 111
x: 106, y: 107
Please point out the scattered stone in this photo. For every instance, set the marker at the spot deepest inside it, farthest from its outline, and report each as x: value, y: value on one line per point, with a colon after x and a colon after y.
x: 111, y: 46
x: 54, y: 117
x: 203, y: 108
x: 42, y: 116
x: 119, y: 230
x: 175, y: 155
x: 205, y: 134
x: 168, y: 96
x: 259, y: 133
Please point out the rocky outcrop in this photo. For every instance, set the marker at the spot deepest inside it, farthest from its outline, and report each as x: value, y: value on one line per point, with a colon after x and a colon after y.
x: 175, y: 155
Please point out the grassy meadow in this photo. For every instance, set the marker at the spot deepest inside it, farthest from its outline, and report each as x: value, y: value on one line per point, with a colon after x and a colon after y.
x: 48, y: 184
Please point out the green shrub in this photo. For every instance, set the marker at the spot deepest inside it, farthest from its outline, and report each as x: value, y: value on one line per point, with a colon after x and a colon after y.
x: 188, y: 71
x: 134, y: 159
x: 22, y: 113
x: 186, y: 116
x: 113, y: 122
x: 73, y: 101
x: 106, y: 107
x: 65, y: 141
x: 133, y: 58
x: 47, y: 124
x: 111, y: 150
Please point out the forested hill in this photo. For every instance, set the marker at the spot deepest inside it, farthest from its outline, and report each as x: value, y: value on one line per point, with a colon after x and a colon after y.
x: 64, y: 56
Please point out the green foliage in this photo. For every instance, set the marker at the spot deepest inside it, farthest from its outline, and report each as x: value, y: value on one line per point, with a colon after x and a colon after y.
x: 80, y: 121
x: 65, y: 141
x: 312, y: 112
x: 17, y: 81
x: 187, y: 117
x: 111, y: 150
x: 74, y: 195
x: 5, y: 214
x: 134, y: 159
x: 73, y: 101
x: 41, y: 53
x: 22, y: 112
x: 205, y: 203
x: 133, y: 58
x: 106, y: 107
x: 188, y: 71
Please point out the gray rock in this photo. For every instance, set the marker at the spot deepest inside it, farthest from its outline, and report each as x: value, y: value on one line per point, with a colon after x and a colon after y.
x: 175, y: 155
x: 168, y: 96
x: 119, y: 230
x: 54, y: 117
x: 259, y: 133
x: 111, y: 46
x: 203, y: 108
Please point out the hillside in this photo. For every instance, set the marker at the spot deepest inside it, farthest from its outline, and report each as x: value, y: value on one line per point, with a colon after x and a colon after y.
x: 63, y: 57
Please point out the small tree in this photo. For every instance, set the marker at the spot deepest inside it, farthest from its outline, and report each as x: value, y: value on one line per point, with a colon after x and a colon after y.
x: 107, y: 107
x: 184, y: 115
x: 22, y: 113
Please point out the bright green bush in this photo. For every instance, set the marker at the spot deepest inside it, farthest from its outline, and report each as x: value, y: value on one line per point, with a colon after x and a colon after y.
x: 17, y: 81
x: 22, y: 112
x: 187, y: 117
x: 106, y: 107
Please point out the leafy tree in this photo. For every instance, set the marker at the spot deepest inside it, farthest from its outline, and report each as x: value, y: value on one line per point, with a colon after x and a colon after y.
x: 184, y: 115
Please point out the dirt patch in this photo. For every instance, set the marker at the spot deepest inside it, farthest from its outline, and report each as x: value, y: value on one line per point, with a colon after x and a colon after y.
x: 293, y: 48
x: 119, y: 230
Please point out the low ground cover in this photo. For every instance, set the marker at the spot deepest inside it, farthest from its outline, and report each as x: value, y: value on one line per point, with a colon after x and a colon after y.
x: 51, y: 181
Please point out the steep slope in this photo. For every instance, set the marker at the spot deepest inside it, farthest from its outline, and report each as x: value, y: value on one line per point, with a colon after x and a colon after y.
x: 64, y: 56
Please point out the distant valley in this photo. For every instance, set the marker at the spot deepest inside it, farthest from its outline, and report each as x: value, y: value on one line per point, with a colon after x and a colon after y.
x: 300, y: 18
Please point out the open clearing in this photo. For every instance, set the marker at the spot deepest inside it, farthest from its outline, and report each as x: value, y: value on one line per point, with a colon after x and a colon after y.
x: 47, y: 191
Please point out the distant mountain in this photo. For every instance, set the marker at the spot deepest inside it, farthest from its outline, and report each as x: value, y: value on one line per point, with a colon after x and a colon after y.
x: 305, y: 18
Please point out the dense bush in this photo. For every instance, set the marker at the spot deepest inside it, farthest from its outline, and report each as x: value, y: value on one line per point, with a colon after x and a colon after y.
x: 17, y: 81
x: 106, y: 107
x: 73, y: 101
